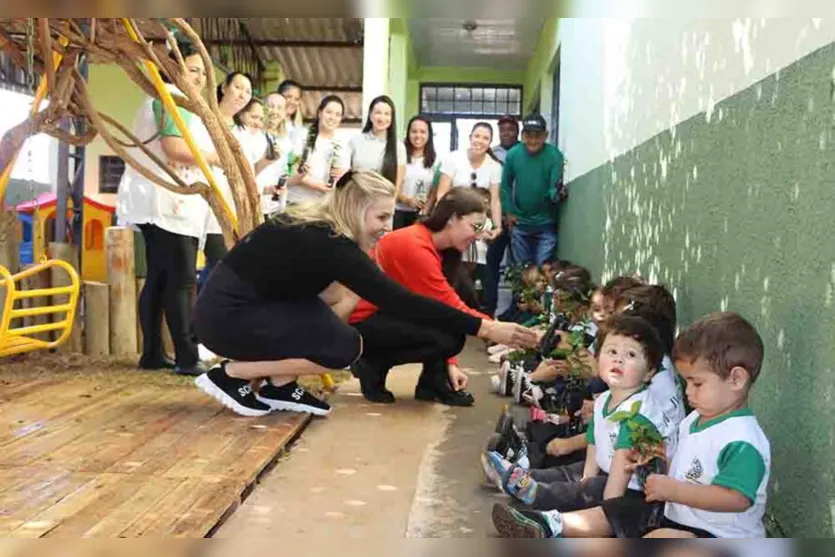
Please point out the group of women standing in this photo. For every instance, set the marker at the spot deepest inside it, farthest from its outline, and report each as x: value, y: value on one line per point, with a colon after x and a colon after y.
x: 280, y: 302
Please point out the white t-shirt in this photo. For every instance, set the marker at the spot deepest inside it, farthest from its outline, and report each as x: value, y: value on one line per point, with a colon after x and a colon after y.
x: 608, y: 431
x: 140, y: 201
x: 417, y: 182
x: 326, y: 154
x: 477, y: 252
x: 367, y: 152
x: 733, y: 452
x: 272, y: 173
x: 666, y: 389
x: 243, y: 137
x: 458, y: 167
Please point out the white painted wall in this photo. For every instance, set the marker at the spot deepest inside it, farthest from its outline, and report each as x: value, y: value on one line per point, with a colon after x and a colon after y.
x: 38, y: 160
x: 626, y: 80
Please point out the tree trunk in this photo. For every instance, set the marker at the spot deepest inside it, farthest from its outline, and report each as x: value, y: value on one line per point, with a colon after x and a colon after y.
x: 122, y: 280
x: 96, y: 319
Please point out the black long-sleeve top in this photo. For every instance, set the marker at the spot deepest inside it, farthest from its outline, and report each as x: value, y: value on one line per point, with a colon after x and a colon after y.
x: 282, y: 260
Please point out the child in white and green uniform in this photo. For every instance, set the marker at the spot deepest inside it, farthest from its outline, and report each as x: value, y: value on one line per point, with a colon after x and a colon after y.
x: 630, y: 354
x: 718, y: 480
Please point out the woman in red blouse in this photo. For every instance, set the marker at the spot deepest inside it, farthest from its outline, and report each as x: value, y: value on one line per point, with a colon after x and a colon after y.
x: 426, y: 259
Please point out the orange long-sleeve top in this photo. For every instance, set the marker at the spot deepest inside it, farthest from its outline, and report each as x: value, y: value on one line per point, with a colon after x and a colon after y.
x: 409, y: 256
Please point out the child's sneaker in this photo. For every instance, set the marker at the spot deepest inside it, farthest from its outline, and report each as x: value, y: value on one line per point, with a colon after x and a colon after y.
x: 520, y: 523
x: 235, y: 394
x: 495, y: 468
x: 292, y: 398
x: 506, y: 380
x: 519, y: 484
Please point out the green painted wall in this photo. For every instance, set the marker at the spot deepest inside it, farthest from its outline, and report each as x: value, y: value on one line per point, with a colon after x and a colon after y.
x: 736, y: 213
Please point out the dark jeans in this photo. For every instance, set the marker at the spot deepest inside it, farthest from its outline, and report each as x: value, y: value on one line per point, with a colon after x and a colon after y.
x: 561, y: 489
x: 389, y: 341
x: 533, y: 244
x: 402, y: 219
x: 169, y: 285
x: 492, y: 272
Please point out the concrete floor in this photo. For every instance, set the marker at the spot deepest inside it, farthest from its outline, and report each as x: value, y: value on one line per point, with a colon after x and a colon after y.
x: 409, y: 470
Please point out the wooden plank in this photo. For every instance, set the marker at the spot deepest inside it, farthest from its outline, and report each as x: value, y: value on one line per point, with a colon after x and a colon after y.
x: 96, y: 319
x: 105, y: 428
x: 91, y: 492
x: 247, y: 457
x: 160, y: 453
x: 50, y: 488
x: 121, y: 277
x: 28, y: 449
x: 117, y: 491
x: 68, y: 253
x: 205, y: 442
x: 129, y: 432
x: 160, y: 520
x: 70, y: 409
x: 144, y: 500
x: 214, y: 502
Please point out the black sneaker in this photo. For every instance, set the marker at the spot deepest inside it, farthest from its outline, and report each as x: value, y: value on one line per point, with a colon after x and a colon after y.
x: 235, y: 394
x: 292, y: 398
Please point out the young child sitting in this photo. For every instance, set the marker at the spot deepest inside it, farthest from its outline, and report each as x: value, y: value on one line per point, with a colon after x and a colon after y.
x: 718, y: 479
x: 629, y: 355
x: 656, y: 305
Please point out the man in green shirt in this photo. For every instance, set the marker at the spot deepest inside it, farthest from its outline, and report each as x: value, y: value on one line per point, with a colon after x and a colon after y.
x: 531, y: 192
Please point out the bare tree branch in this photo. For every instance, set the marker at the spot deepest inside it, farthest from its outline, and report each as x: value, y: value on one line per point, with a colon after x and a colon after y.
x: 46, y: 53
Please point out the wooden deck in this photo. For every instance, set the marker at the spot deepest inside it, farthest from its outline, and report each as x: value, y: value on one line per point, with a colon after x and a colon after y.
x: 102, y: 456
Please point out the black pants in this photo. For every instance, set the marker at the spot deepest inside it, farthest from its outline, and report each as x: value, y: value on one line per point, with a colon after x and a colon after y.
x: 389, y: 341
x: 495, y: 254
x: 402, y: 219
x: 234, y: 321
x: 169, y: 285
x: 214, y: 250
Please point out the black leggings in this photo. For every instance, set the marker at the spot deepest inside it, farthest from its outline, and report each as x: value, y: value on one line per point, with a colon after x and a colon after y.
x: 390, y: 341
x: 171, y: 260
x: 234, y: 321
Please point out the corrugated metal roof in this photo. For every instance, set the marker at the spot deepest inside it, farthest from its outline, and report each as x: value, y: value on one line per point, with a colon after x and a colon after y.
x: 317, y: 67
x: 305, y: 28
x: 353, y: 104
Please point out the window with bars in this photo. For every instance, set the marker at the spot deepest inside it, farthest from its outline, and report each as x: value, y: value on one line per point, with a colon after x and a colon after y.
x: 111, y: 169
x: 481, y: 100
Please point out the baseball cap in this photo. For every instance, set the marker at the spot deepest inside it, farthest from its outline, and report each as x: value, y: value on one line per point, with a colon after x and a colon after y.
x: 508, y: 119
x: 535, y: 123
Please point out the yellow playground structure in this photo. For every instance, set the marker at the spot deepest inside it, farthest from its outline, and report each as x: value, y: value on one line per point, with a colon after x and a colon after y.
x: 16, y: 335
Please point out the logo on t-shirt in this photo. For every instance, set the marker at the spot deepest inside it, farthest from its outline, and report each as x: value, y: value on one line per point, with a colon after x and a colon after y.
x: 696, y: 471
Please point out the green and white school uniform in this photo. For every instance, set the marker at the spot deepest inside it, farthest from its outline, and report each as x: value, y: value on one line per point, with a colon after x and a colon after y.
x: 666, y: 388
x: 609, y: 430
x: 731, y: 451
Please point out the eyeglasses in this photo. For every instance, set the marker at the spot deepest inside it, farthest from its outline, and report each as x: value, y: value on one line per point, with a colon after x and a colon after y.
x: 474, y: 180
x: 477, y: 227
